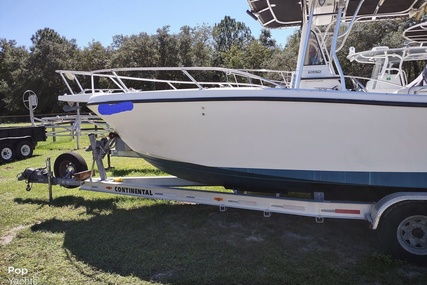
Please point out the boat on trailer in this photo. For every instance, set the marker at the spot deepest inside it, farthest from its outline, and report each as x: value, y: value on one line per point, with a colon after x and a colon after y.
x: 248, y: 133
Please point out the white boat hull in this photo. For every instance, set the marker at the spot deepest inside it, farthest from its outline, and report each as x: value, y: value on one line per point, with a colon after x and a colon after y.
x: 298, y: 135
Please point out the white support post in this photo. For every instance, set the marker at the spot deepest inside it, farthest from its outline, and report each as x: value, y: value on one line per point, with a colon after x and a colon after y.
x: 305, y: 36
x: 334, y: 45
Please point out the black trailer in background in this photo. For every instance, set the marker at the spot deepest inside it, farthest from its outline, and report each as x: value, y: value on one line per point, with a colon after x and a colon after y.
x: 19, y: 142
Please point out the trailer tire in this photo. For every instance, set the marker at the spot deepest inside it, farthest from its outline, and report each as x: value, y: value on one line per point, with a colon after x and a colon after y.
x: 7, y: 152
x: 67, y: 164
x: 403, y: 231
x: 24, y: 149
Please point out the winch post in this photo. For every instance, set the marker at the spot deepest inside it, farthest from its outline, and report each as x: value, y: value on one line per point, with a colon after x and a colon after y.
x: 97, y: 154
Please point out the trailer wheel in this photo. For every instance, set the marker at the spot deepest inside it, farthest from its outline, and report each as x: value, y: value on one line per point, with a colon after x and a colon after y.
x: 7, y: 152
x: 403, y: 231
x: 67, y: 164
x: 24, y: 149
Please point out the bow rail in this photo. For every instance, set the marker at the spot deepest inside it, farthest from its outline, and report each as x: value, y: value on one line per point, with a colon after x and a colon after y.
x: 162, y: 78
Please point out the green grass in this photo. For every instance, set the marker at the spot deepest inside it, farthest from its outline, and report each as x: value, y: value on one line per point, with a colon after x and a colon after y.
x: 94, y: 238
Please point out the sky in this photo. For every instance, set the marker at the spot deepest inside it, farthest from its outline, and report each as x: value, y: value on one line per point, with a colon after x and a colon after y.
x: 100, y: 20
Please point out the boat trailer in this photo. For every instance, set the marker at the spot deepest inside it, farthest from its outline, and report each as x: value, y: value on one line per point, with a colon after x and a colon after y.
x: 403, y: 215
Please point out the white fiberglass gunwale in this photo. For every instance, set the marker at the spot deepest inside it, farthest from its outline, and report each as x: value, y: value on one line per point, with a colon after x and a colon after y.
x: 263, y: 94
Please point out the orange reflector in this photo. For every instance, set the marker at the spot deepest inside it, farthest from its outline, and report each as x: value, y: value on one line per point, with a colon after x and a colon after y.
x: 219, y: 199
x: 345, y: 211
x: 108, y: 187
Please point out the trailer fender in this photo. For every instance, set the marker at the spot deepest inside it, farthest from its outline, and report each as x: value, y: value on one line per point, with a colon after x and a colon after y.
x: 381, y: 206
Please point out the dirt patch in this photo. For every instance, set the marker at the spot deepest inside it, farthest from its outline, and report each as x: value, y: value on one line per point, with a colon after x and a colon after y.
x: 11, y: 234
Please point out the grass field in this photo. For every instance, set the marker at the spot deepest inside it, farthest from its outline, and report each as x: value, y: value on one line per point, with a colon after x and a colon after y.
x: 93, y: 238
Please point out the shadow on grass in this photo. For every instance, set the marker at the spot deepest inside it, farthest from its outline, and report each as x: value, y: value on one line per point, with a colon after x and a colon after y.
x: 193, y: 244
x: 92, y: 206
x: 34, y: 155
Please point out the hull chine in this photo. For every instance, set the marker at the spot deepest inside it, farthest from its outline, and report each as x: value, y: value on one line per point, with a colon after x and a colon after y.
x: 336, y: 185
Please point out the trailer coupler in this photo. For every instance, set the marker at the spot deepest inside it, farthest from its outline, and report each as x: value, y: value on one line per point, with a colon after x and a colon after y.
x: 33, y: 175
x: 45, y: 176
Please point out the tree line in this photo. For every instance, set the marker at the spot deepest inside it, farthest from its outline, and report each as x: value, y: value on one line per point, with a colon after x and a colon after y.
x: 227, y: 44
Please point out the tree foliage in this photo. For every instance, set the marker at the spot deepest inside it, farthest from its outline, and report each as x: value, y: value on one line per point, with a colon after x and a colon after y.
x: 50, y: 52
x: 13, y: 72
x: 230, y: 36
x: 228, y: 44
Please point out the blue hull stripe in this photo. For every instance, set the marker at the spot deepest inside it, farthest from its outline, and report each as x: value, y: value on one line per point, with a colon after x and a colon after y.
x: 336, y: 185
x: 115, y: 108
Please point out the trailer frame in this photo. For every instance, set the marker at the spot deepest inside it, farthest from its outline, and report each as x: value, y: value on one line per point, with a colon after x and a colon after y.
x: 407, y: 244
